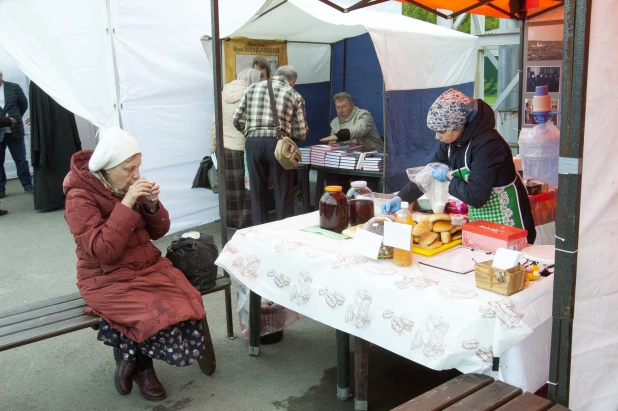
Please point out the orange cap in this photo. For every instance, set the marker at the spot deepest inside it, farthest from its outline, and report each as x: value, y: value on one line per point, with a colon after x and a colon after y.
x: 333, y: 188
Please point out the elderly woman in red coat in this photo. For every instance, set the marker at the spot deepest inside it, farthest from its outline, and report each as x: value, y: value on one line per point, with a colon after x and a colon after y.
x: 148, y: 309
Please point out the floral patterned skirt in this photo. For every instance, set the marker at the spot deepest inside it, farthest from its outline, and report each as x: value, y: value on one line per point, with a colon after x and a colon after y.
x: 179, y: 344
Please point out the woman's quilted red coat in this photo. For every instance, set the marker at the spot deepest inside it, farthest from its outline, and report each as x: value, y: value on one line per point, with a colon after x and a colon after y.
x: 120, y: 273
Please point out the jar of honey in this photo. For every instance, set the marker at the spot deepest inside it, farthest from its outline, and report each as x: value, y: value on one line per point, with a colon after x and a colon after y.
x: 333, y: 210
x: 360, y: 203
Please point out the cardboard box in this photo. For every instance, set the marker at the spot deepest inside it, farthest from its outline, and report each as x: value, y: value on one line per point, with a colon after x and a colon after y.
x: 488, y: 236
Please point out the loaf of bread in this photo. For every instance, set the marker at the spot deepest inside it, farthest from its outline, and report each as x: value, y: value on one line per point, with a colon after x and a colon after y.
x: 434, y: 244
x: 445, y: 237
x: 456, y: 236
x: 415, y: 240
x: 441, y: 226
x: 455, y: 229
x: 425, y: 217
x: 428, y: 238
x: 440, y: 217
x: 421, y: 228
x: 351, y: 231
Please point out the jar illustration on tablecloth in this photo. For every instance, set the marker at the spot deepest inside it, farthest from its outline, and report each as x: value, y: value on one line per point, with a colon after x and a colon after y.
x: 302, y: 289
x: 359, y: 311
x: 430, y: 337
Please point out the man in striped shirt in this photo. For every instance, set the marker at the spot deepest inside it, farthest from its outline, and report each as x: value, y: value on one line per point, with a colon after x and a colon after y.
x: 253, y: 117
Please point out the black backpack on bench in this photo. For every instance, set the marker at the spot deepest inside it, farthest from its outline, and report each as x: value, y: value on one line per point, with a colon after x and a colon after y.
x: 196, y: 259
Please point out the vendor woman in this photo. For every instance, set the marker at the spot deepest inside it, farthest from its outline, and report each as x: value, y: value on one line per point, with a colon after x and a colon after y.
x: 478, y: 163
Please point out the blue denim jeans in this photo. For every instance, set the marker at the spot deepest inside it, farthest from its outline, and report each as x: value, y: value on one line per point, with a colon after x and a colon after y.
x: 17, y: 147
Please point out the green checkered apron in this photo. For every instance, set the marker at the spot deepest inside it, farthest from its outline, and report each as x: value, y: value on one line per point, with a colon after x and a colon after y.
x: 502, y: 206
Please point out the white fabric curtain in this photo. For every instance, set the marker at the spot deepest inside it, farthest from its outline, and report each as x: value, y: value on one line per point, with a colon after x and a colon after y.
x: 64, y: 48
x: 595, y: 330
x: 166, y: 94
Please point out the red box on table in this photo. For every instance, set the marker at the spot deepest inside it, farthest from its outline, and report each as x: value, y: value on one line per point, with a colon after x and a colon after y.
x: 488, y: 236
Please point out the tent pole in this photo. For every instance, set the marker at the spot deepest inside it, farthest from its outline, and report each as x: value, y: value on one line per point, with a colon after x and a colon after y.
x: 572, y: 127
x: 522, y: 78
x: 218, y: 86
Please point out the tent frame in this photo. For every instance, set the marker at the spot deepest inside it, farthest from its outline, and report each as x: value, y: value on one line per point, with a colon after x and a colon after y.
x: 572, y: 128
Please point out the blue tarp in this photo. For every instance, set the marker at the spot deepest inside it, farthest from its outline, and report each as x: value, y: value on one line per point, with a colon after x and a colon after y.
x: 363, y: 76
x: 317, y: 97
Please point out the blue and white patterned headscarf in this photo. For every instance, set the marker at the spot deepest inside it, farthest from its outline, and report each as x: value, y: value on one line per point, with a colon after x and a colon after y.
x: 451, y: 111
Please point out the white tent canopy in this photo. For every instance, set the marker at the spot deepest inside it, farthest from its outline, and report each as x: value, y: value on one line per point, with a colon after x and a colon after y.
x: 413, y: 54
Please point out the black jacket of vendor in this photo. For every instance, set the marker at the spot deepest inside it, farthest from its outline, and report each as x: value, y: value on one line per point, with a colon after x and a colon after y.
x: 490, y: 161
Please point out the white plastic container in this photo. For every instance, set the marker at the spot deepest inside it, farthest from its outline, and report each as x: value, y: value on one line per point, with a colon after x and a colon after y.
x: 539, y: 149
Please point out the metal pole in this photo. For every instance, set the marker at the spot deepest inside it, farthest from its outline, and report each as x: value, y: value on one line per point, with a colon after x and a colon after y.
x: 522, y: 77
x: 572, y: 126
x: 218, y: 86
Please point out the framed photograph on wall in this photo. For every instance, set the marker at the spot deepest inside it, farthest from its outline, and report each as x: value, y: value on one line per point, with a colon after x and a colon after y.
x: 543, y: 76
x: 529, y: 112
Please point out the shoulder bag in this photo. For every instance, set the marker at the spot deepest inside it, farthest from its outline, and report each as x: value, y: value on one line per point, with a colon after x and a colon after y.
x: 286, y: 152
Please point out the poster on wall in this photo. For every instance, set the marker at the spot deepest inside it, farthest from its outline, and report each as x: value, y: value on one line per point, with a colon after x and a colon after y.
x: 241, y: 51
x: 543, y: 76
x: 543, y: 66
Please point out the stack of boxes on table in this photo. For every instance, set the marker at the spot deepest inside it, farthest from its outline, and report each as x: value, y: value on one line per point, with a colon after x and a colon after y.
x: 346, y: 156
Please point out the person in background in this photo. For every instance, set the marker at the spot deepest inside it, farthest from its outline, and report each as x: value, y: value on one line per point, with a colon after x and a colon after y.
x: 237, y: 201
x: 253, y: 117
x: 353, y: 125
x: 477, y: 162
x: 261, y: 64
x: 148, y: 308
x: 5, y: 122
x: 13, y: 104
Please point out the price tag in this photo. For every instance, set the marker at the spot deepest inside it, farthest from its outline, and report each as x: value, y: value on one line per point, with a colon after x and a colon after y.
x: 367, y: 244
x: 397, y: 235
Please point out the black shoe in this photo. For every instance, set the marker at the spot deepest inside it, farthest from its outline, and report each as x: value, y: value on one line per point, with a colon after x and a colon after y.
x: 29, y: 191
x: 125, y: 372
x: 3, y: 212
x: 2, y: 194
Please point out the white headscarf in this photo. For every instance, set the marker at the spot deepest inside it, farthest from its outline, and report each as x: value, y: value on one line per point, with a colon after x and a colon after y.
x: 249, y: 75
x: 115, y: 146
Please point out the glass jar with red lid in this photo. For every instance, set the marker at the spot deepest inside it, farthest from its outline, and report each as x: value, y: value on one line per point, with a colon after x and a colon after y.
x: 333, y: 210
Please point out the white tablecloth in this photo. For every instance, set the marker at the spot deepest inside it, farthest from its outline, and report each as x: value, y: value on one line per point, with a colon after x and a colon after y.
x: 430, y: 316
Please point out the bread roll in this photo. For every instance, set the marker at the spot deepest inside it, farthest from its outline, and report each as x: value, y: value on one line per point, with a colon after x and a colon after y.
x: 455, y: 229
x: 427, y: 238
x: 440, y: 217
x: 433, y: 245
x: 415, y: 240
x: 445, y: 237
x: 421, y: 228
x: 456, y: 236
x: 351, y: 231
x: 425, y: 217
x: 441, y: 226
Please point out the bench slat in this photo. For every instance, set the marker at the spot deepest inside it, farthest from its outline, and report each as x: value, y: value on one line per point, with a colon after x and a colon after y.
x: 527, y: 401
x: 41, y: 321
x: 488, y: 398
x: 45, y: 319
x: 447, y: 394
x: 47, y: 331
x: 559, y: 407
x: 7, y: 312
x: 41, y: 312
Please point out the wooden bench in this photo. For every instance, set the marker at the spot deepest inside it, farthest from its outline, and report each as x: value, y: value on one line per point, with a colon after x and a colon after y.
x: 480, y: 393
x: 38, y: 321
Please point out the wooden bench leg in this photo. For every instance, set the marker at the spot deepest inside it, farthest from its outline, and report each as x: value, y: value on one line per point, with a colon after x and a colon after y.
x: 255, y: 326
x: 361, y: 374
x: 208, y: 363
x: 343, y: 366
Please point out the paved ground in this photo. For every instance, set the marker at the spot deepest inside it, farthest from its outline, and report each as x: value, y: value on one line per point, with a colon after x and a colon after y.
x: 74, y: 371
